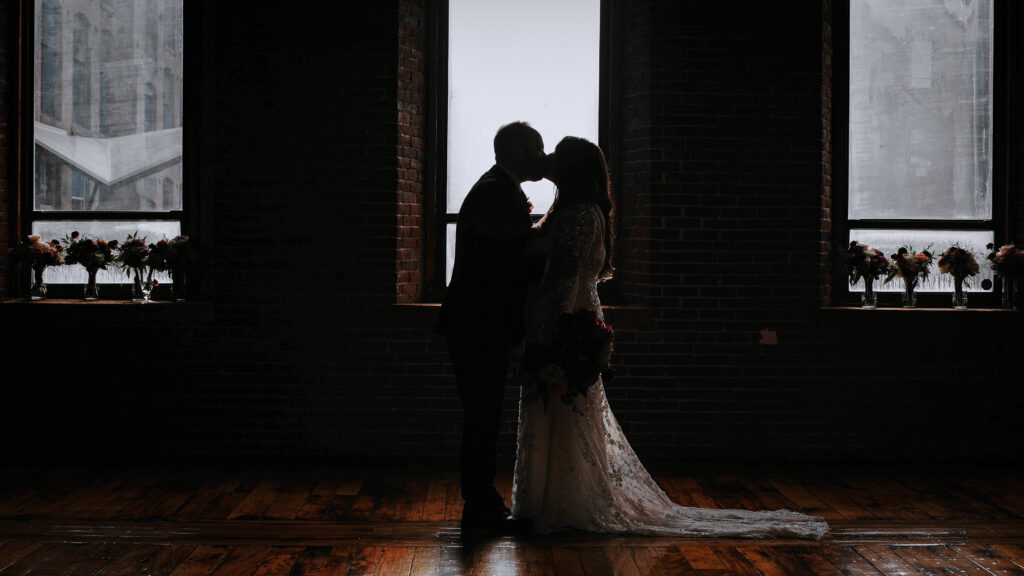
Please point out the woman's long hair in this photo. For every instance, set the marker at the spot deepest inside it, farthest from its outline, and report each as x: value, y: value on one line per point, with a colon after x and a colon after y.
x: 581, y: 173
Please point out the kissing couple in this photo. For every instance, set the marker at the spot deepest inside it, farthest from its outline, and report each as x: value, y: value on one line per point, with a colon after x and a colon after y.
x: 574, y: 467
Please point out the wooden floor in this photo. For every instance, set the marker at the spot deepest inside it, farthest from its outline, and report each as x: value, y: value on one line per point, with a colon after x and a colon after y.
x: 403, y: 519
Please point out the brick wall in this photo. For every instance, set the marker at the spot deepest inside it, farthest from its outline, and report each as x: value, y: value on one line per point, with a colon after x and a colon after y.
x: 827, y: 35
x: 631, y: 179
x: 310, y: 181
x: 410, y: 259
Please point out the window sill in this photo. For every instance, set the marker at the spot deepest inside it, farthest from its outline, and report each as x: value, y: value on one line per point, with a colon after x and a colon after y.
x: 164, y: 310
x: 993, y: 321
x: 423, y: 315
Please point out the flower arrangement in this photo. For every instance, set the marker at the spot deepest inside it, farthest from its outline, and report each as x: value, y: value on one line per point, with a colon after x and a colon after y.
x: 909, y: 265
x: 1007, y: 261
x: 133, y: 254
x: 171, y: 256
x: 1008, y: 265
x: 93, y: 254
x: 38, y: 255
x: 865, y: 262
x: 958, y: 262
x: 133, y: 257
x: 912, y: 267
x: 581, y: 354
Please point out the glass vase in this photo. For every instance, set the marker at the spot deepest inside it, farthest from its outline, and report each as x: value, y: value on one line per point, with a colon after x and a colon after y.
x: 869, y: 299
x: 909, y: 296
x: 92, y: 292
x: 38, y: 289
x: 1009, y: 295
x: 177, y: 285
x: 137, y: 290
x: 147, y: 288
x: 959, y: 296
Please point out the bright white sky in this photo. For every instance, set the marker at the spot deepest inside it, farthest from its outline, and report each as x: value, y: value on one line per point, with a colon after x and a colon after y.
x: 531, y: 60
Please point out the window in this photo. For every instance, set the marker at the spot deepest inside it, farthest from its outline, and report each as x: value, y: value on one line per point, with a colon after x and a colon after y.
x: 110, y: 164
x: 924, y: 131
x: 495, y: 74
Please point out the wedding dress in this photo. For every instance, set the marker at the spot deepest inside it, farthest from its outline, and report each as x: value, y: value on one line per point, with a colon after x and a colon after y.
x: 579, y: 471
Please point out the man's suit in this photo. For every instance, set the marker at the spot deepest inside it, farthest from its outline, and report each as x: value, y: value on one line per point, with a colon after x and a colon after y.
x: 482, y: 319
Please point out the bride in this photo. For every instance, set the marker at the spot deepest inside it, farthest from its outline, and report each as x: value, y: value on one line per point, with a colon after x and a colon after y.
x: 575, y: 468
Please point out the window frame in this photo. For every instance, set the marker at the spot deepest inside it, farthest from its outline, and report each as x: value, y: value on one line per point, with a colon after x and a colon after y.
x: 22, y: 196
x: 1000, y: 223
x: 436, y: 213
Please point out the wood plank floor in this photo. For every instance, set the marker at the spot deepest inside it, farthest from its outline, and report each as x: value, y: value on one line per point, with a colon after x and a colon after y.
x: 403, y: 519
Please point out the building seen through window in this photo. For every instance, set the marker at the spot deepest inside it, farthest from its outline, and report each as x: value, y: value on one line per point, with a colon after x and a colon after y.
x: 107, y: 122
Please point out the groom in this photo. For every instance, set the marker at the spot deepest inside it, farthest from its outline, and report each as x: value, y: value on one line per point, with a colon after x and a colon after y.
x: 482, y: 313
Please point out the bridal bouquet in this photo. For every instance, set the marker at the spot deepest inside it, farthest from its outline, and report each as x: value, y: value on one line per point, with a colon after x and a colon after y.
x: 38, y: 255
x: 865, y: 262
x: 1007, y: 262
x: 958, y: 262
x: 133, y: 254
x: 169, y: 255
x: 92, y: 254
x: 581, y: 354
x: 909, y: 265
x: 134, y: 257
x: 1008, y: 265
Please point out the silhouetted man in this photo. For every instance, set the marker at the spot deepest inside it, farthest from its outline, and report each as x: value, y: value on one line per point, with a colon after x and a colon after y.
x: 482, y: 313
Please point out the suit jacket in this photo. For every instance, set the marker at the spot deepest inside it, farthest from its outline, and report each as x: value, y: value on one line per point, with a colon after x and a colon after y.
x: 492, y: 269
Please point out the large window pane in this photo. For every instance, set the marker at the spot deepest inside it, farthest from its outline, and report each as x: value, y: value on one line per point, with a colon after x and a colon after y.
x: 935, y: 241
x: 449, y: 263
x: 122, y: 131
x: 107, y: 230
x: 531, y: 60
x: 920, y: 129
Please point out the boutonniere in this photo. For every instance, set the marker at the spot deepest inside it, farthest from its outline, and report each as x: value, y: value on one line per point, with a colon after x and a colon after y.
x: 529, y: 205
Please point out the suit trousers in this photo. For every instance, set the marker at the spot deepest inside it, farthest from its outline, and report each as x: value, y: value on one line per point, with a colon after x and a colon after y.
x: 481, y: 368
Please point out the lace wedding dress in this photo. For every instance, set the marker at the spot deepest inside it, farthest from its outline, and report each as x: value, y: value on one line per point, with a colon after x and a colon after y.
x: 579, y: 471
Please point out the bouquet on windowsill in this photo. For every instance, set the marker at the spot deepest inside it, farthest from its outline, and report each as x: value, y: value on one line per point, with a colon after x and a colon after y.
x: 38, y: 254
x: 581, y: 354
x: 169, y: 255
x: 1007, y: 262
x: 93, y: 254
x: 909, y: 265
x: 133, y: 254
x: 133, y: 257
x: 958, y: 262
x: 865, y: 262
